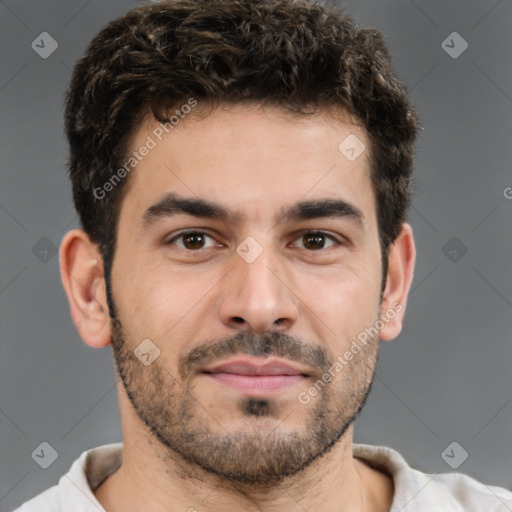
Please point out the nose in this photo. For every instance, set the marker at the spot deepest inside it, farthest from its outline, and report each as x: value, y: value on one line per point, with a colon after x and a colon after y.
x: 258, y: 296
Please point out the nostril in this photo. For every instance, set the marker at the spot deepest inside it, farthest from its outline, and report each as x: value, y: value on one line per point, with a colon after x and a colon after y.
x: 238, y: 320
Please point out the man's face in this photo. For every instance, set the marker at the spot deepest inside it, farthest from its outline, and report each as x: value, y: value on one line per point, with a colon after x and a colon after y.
x: 250, y: 310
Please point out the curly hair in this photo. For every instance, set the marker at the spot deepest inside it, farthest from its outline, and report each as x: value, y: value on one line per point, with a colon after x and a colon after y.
x: 294, y: 54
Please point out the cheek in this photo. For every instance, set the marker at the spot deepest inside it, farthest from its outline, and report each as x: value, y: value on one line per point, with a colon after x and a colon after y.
x: 345, y: 301
x: 160, y: 303
x: 353, y: 284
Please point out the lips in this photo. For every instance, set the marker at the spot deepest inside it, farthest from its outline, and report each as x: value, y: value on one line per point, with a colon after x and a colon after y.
x: 251, y: 375
x: 255, y: 366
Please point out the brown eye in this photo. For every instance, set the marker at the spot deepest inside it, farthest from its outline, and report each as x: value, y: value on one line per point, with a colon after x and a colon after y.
x: 191, y: 240
x: 316, y: 240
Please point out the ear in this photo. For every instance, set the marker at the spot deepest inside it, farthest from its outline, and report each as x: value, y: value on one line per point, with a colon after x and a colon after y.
x: 402, y: 257
x: 81, y: 272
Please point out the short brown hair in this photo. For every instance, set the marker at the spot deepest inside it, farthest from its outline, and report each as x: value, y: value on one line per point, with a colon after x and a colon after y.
x: 294, y: 54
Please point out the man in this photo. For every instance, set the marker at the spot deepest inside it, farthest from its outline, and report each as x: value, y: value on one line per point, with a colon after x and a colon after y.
x: 242, y: 172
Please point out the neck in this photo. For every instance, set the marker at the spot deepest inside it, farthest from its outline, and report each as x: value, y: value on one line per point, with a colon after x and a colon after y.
x: 150, y: 478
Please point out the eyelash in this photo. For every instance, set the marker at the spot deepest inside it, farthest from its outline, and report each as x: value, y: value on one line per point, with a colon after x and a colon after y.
x: 300, y: 235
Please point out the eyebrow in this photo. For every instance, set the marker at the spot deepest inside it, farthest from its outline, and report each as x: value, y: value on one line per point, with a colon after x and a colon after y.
x: 172, y: 204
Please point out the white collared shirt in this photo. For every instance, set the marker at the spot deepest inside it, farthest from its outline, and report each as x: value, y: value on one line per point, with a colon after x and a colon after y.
x: 414, y: 491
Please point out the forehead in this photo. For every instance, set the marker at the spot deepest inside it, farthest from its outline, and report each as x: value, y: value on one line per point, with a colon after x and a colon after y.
x: 251, y: 160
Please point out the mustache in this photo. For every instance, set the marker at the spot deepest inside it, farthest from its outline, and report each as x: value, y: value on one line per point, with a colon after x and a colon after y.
x: 258, y: 345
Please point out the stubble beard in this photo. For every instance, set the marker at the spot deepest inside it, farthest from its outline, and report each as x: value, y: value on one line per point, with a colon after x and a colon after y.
x: 255, y: 456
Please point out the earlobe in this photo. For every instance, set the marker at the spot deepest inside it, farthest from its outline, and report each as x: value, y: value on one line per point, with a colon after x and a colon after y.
x: 402, y: 258
x: 81, y: 271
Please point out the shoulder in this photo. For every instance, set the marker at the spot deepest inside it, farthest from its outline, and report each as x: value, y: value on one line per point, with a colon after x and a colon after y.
x: 74, y: 490
x: 439, y: 492
x: 45, y: 501
x: 467, y: 493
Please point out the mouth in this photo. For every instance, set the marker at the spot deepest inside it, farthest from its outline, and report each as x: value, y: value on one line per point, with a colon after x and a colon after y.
x: 256, y: 376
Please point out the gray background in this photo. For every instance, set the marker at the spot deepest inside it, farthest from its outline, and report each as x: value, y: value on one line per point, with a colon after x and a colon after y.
x: 446, y: 378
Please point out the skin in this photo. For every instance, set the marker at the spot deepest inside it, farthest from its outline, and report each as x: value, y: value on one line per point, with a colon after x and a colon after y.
x: 253, y: 161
